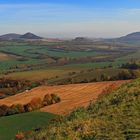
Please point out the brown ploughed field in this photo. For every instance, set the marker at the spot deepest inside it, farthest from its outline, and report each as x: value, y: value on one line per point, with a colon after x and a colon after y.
x: 72, y: 96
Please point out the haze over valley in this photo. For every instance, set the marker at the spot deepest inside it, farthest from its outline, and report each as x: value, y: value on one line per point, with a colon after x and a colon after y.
x: 69, y: 70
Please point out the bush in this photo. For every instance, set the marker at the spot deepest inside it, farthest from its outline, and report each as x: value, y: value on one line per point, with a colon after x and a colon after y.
x: 28, y: 107
x: 55, y: 98
x: 47, y: 100
x: 19, y: 136
x: 3, y: 110
x: 51, y: 99
x: 34, y: 104
x: 12, y: 110
x: 20, y: 108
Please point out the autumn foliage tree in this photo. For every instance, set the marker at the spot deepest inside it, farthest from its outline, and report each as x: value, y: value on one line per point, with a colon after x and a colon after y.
x: 35, y: 104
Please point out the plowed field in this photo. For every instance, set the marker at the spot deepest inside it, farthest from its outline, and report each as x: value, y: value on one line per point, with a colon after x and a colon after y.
x: 72, y: 96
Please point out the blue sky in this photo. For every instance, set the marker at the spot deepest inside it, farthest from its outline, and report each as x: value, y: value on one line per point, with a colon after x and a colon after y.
x: 70, y: 18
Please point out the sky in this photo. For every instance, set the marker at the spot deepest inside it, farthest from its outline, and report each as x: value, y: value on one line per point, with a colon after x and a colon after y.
x: 70, y: 18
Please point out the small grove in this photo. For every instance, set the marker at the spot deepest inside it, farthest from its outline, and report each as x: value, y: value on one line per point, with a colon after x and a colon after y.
x: 11, y: 86
x: 34, y: 104
x: 95, y: 75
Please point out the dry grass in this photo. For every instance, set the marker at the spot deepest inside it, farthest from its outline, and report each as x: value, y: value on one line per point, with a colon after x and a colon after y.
x: 37, y: 75
x: 4, y: 57
x: 72, y: 96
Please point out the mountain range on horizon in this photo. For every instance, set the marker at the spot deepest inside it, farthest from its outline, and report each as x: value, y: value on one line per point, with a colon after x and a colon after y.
x: 130, y: 38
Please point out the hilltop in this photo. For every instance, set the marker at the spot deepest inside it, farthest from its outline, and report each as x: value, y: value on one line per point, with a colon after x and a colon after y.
x: 13, y: 36
x: 10, y: 36
x: 30, y: 36
x: 131, y: 36
x: 130, y: 39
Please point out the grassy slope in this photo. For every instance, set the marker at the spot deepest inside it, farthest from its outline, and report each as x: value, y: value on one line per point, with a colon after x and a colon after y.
x: 41, y: 74
x: 52, y: 72
x: 10, y: 125
x: 86, y: 75
x: 113, y: 117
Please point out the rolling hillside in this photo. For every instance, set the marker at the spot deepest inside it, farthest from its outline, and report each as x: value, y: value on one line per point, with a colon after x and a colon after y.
x: 130, y: 39
x: 113, y: 116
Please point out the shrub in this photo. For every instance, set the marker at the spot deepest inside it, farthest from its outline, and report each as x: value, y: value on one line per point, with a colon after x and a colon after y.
x: 19, y: 136
x: 51, y: 99
x: 14, y: 109
x: 3, y: 110
x: 47, y: 100
x: 55, y: 98
x: 28, y: 108
x: 20, y: 108
x: 36, y: 103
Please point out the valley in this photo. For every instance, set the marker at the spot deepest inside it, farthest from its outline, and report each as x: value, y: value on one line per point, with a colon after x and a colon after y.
x: 69, y: 70
x: 79, y: 72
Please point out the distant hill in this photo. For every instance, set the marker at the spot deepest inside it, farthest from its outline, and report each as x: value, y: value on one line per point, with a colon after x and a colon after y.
x: 10, y: 36
x: 30, y: 36
x: 13, y: 36
x: 131, y: 39
x: 81, y: 40
x: 84, y: 39
x: 132, y: 36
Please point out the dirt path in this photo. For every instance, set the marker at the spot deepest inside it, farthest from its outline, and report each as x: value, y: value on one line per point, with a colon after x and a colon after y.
x: 72, y: 96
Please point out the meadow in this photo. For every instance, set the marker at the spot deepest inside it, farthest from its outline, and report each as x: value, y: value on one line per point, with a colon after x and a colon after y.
x: 10, y: 125
x: 55, y: 71
x: 29, y: 56
x: 33, y: 55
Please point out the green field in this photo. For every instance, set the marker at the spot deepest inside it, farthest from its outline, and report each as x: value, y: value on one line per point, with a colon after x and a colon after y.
x: 58, y: 71
x: 10, y: 125
x: 45, y: 62
x: 135, y: 55
x: 33, y: 51
x: 34, y: 56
